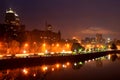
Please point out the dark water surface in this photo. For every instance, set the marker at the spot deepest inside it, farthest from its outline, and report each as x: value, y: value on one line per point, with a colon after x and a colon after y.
x: 104, y: 68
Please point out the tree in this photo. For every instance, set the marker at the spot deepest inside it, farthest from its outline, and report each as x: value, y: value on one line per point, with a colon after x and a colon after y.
x: 76, y: 47
x: 14, y: 47
x: 113, y: 46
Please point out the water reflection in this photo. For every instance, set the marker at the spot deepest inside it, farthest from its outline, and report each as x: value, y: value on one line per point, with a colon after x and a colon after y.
x: 32, y: 73
x: 41, y: 72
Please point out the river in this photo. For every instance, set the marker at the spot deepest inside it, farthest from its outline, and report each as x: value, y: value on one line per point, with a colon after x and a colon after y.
x: 103, y: 68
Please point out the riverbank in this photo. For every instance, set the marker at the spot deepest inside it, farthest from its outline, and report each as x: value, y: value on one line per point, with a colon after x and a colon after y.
x: 34, y: 61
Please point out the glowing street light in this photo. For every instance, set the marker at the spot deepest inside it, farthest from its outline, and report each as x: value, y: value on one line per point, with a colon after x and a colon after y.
x: 44, y: 68
x: 53, y: 69
x: 44, y: 44
x: 57, y: 45
x: 34, y: 75
x: 25, y: 71
x: 53, y: 44
x: 26, y: 45
x: 68, y: 45
x: 57, y: 65
x: 68, y: 63
x: 24, y: 51
x: 64, y: 66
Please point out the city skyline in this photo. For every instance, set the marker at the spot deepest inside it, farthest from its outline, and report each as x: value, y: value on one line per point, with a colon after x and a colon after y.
x: 73, y: 18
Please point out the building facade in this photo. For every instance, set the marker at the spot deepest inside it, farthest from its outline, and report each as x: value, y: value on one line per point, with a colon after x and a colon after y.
x: 12, y: 29
x: 43, y: 36
x: 12, y: 17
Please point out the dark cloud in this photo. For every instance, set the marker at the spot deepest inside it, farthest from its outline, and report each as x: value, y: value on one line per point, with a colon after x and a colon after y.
x: 94, y: 30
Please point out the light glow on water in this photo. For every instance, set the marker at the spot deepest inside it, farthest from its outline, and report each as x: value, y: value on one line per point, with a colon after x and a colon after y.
x: 97, y: 67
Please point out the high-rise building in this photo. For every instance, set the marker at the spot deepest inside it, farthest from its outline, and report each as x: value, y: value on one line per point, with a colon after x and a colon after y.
x: 99, y: 38
x: 11, y: 17
x: 12, y: 29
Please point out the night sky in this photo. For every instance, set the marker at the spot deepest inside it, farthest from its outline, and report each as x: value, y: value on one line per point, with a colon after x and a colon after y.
x: 80, y: 18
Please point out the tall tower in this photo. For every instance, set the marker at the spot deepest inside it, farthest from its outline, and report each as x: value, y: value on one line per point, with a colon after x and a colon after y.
x: 14, y: 30
x: 11, y: 17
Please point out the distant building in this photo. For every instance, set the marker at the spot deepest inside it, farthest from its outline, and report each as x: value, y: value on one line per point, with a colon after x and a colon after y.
x: 87, y: 40
x: 98, y: 39
x: 47, y: 36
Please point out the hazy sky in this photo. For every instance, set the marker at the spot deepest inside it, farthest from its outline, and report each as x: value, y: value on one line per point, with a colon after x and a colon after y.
x: 78, y: 18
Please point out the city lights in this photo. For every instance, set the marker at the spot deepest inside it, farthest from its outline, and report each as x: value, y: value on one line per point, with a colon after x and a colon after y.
x: 25, y: 71
x: 59, y: 40
x: 53, y: 69
x: 57, y: 65
x: 44, y: 68
x: 26, y: 45
x: 68, y: 63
